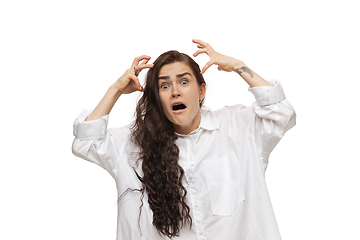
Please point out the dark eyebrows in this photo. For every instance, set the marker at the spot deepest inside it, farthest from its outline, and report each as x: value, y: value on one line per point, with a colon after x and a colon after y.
x: 178, y: 76
x: 183, y: 74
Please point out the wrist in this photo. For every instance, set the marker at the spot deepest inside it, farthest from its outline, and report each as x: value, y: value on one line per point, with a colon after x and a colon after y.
x: 238, y: 64
x: 115, y: 89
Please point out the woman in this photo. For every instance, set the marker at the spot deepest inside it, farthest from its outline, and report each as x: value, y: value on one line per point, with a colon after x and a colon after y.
x: 183, y: 172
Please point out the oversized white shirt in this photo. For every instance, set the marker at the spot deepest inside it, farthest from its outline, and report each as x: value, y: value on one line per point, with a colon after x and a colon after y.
x: 224, y: 161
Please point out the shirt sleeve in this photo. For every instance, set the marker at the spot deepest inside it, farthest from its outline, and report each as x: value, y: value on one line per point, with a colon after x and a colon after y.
x: 270, y: 116
x: 93, y: 142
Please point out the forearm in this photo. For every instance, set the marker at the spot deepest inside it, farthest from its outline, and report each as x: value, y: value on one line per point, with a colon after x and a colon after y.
x: 105, y: 105
x: 252, y: 78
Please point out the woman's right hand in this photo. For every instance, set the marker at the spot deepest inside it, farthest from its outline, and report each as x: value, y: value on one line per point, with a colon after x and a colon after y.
x: 129, y: 81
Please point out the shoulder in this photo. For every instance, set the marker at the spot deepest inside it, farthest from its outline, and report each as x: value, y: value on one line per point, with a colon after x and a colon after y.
x: 222, y: 112
x: 212, y: 119
x: 121, y: 133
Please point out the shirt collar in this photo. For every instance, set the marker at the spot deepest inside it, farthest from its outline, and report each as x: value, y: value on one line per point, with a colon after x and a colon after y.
x: 209, y: 121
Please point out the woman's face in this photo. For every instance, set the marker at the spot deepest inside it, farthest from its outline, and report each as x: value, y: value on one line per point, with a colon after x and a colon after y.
x: 180, y: 94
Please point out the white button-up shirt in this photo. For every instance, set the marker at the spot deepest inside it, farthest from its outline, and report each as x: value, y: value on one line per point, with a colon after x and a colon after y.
x: 224, y: 161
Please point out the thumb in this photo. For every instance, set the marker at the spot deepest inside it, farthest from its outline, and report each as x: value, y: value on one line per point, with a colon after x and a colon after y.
x: 207, y: 65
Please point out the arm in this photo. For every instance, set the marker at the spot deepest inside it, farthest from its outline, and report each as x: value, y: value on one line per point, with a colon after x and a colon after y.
x: 93, y: 141
x: 127, y: 83
x: 229, y: 64
x: 251, y: 77
x: 273, y: 116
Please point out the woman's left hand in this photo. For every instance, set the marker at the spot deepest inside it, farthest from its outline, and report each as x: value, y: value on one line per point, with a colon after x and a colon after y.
x: 224, y: 63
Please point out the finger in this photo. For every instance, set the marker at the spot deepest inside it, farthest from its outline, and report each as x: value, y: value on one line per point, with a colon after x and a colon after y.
x: 201, y: 43
x: 207, y: 65
x: 145, y: 61
x: 138, y: 59
x: 143, y: 66
x: 206, y: 46
x: 200, y: 52
x: 136, y: 81
x: 139, y: 87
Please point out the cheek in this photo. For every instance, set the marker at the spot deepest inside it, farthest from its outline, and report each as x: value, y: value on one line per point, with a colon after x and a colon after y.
x: 194, y: 96
x: 163, y: 99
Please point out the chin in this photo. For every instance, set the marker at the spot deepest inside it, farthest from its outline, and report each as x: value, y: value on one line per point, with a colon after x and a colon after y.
x: 183, y: 121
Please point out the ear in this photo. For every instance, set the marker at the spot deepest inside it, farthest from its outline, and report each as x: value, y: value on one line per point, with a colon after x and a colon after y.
x: 202, y: 90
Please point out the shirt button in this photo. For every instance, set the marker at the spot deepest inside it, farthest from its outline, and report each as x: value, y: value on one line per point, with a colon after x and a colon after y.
x: 201, y: 231
x: 196, y: 205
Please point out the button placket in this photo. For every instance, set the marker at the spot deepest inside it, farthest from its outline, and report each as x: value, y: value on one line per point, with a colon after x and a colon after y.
x: 198, y: 220
x: 191, y: 151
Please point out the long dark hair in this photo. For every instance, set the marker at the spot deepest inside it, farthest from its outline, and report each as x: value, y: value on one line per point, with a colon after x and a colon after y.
x: 154, y: 134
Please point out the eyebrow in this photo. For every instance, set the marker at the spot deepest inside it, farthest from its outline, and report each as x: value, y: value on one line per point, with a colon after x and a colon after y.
x: 178, y: 76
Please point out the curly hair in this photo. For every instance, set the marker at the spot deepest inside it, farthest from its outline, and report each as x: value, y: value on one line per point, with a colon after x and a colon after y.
x: 154, y: 134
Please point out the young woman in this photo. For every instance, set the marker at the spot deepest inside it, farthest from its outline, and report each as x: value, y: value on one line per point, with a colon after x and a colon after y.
x: 181, y: 171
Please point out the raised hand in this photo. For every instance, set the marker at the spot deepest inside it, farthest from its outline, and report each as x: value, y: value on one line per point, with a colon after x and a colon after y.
x: 129, y: 81
x: 224, y: 63
x: 229, y: 64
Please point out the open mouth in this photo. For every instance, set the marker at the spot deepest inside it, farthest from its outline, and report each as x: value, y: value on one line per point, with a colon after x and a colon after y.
x: 178, y: 106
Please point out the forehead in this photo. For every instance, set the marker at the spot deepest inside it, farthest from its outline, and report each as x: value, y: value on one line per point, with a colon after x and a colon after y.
x: 174, y: 69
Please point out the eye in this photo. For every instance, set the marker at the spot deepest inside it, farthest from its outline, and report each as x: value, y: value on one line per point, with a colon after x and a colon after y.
x: 184, y: 81
x: 164, y: 86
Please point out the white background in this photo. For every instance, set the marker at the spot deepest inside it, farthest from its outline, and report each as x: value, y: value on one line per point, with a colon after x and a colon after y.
x: 59, y: 57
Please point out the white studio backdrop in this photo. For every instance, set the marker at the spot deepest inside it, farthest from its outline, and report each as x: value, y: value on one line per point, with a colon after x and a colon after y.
x: 59, y: 57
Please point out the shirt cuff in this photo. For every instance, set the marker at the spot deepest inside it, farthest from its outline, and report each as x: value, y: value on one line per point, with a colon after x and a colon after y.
x: 88, y: 130
x: 268, y: 95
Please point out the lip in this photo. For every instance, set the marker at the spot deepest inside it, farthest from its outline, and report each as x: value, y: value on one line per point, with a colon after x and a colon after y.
x: 178, y: 111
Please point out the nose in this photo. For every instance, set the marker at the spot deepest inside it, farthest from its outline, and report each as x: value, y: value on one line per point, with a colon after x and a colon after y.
x: 175, y: 92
